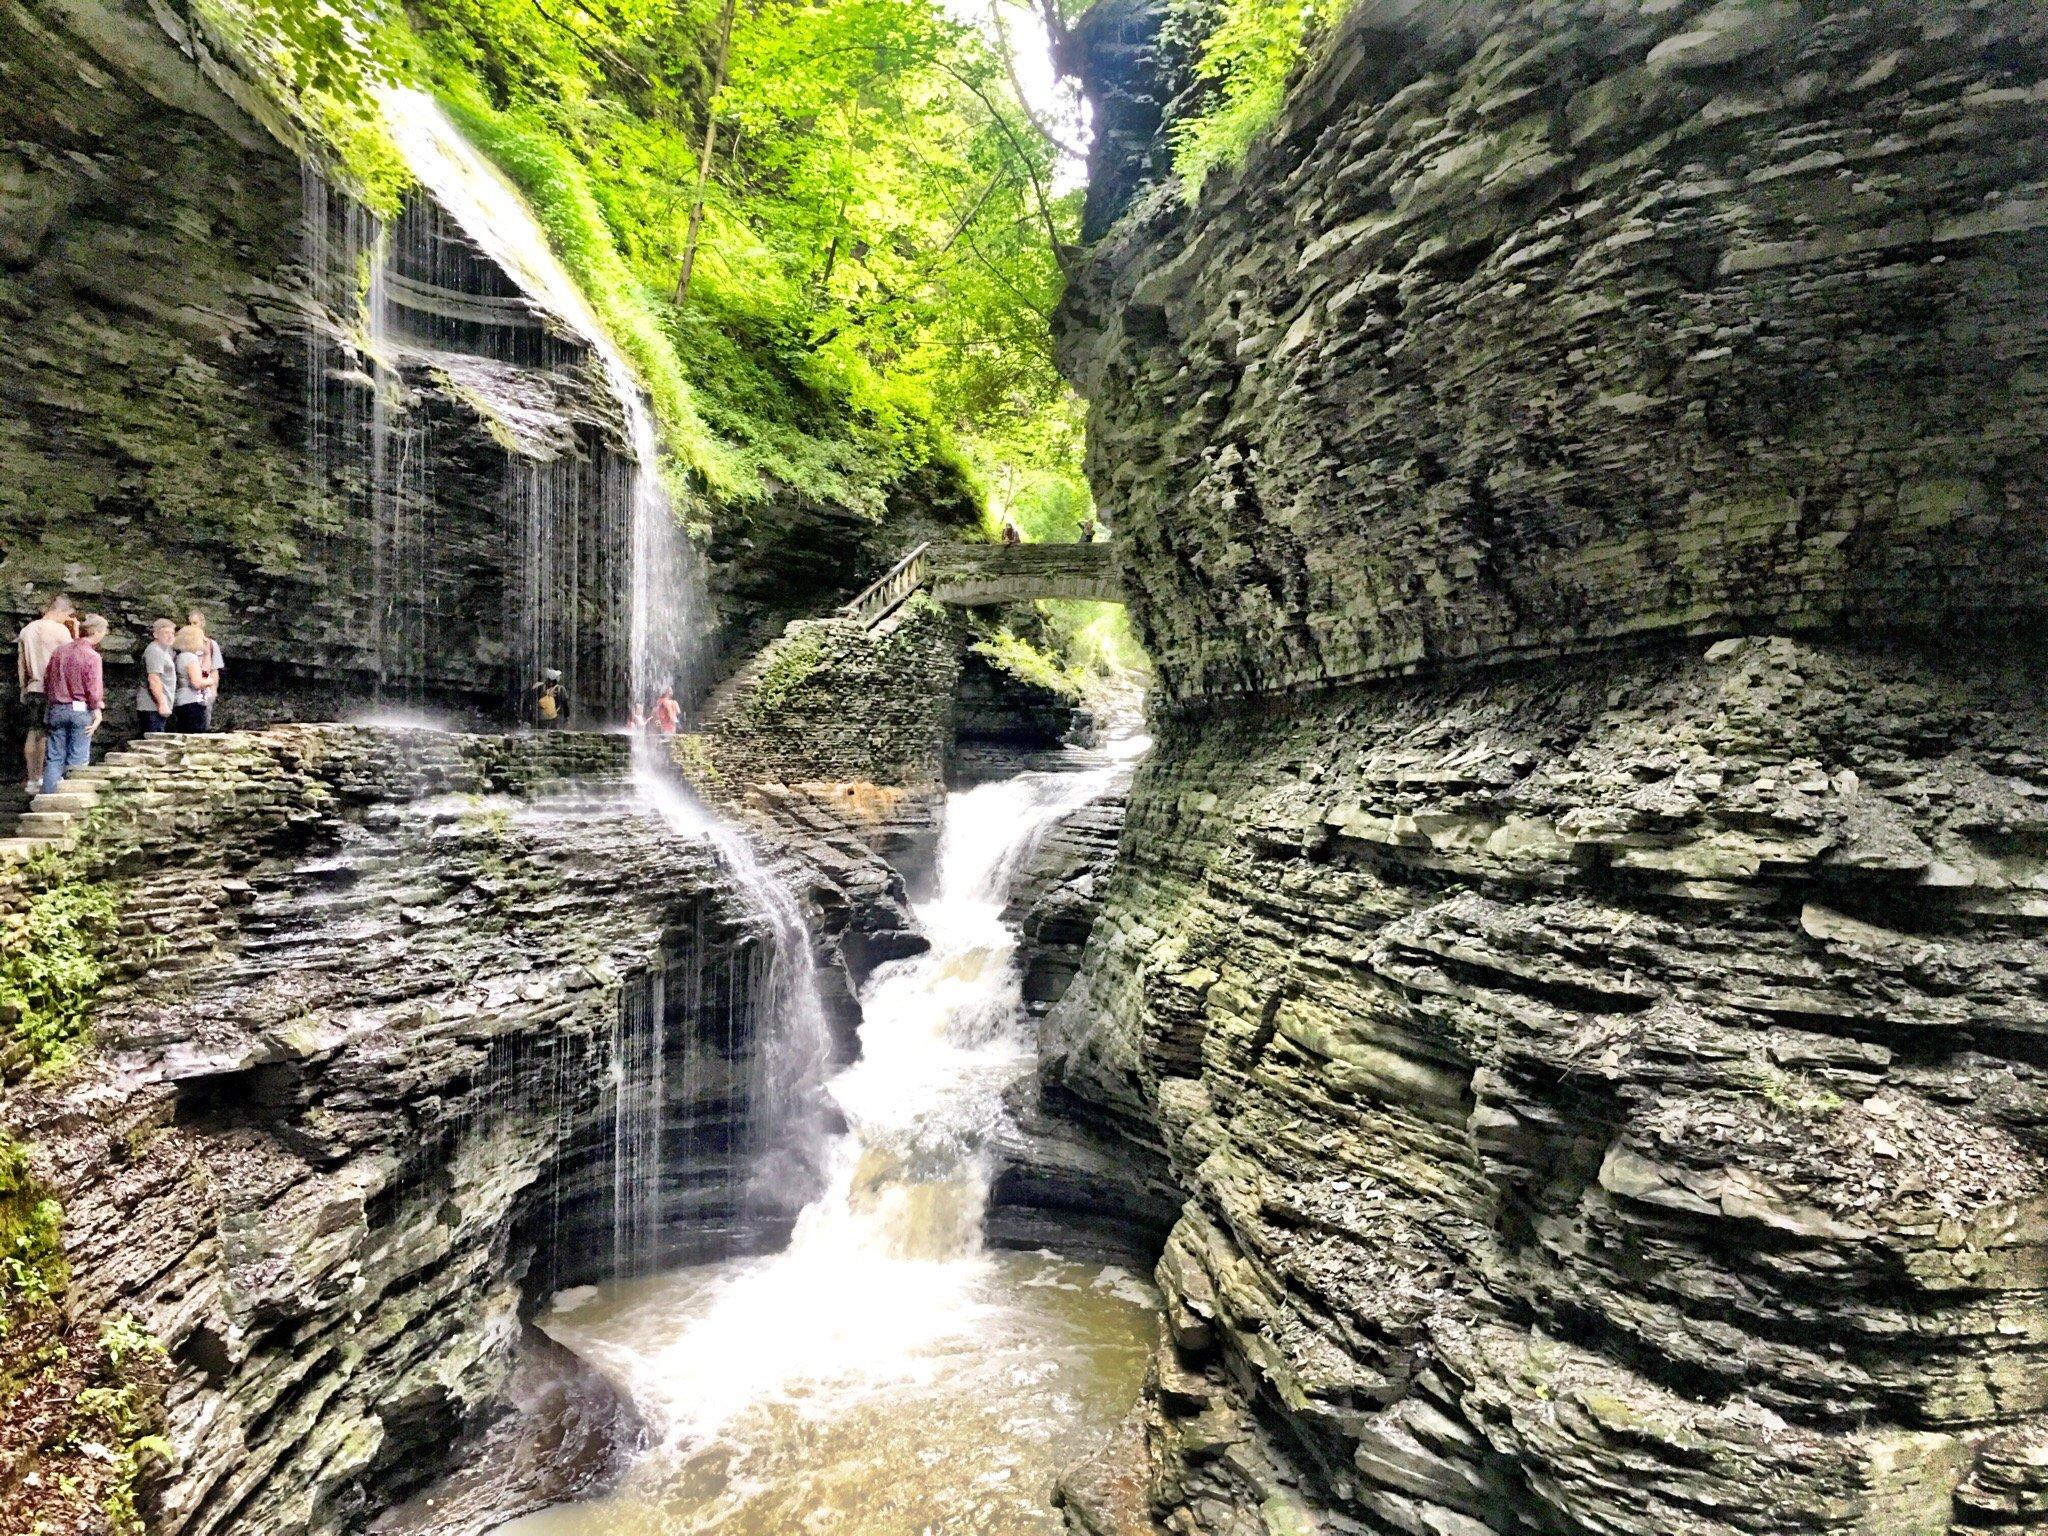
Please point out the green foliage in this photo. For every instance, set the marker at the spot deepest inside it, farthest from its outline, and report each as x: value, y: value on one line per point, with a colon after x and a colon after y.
x: 1020, y: 658
x: 32, y: 1269
x: 50, y: 977
x: 1096, y: 639
x: 94, y: 1395
x: 560, y: 195
x: 879, y: 252
x: 119, y: 1418
x: 323, y: 58
x: 791, y: 662
x: 1246, y: 59
x: 874, y: 268
x: 125, y: 1337
x: 1032, y: 469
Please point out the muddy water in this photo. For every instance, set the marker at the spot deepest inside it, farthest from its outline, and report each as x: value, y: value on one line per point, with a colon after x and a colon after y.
x: 953, y: 1415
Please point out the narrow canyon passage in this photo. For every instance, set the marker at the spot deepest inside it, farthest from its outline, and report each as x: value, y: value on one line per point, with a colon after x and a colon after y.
x: 885, y: 1373
x: 622, y: 990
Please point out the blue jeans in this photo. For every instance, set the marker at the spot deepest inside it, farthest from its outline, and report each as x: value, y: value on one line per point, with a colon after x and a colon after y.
x: 70, y: 743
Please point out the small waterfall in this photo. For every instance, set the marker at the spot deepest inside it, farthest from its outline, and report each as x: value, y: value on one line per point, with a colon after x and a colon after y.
x: 890, y: 1249
x: 639, y: 1083
x: 613, y: 599
x: 779, y: 1131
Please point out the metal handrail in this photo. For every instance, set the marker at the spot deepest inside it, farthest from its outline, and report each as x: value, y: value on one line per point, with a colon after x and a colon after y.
x: 891, y: 589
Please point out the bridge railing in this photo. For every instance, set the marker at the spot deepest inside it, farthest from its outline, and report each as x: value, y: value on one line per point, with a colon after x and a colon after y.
x: 892, y: 589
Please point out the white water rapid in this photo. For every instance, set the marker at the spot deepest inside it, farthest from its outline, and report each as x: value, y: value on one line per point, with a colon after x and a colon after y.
x: 883, y: 1374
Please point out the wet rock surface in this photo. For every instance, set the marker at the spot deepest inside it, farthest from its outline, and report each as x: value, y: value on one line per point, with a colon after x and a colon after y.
x: 1605, y: 1095
x: 196, y: 386
x: 369, y: 1066
x: 1604, y: 1081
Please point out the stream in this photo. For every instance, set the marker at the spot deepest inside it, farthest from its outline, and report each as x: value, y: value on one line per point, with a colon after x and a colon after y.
x: 884, y: 1374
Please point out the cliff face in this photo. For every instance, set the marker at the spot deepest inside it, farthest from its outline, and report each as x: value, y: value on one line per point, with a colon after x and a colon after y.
x: 1534, y: 327
x: 395, y: 1025
x: 1602, y: 1075
x: 412, y: 485
x: 389, y: 469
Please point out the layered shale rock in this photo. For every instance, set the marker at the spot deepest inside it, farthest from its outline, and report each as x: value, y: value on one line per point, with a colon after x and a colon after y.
x: 386, y: 464
x: 421, y: 490
x: 395, y: 1022
x: 1530, y: 327
x: 1604, y: 1081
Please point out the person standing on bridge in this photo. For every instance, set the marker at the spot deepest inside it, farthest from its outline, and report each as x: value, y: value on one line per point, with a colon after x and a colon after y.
x: 1010, y: 533
x: 1089, y: 528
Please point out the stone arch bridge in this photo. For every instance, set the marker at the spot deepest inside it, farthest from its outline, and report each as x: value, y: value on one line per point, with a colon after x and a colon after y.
x: 967, y: 575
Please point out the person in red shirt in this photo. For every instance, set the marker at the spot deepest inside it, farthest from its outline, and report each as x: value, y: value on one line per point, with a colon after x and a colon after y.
x: 666, y: 714
x: 75, y: 693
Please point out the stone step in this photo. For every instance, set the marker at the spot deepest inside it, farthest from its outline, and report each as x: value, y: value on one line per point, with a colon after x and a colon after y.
x: 66, y: 798
x: 20, y: 847
x: 44, y: 824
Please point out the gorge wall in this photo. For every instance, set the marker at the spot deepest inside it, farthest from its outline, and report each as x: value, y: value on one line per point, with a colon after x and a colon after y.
x: 389, y: 476
x: 1577, y: 943
x: 391, y: 470
x: 391, y: 1026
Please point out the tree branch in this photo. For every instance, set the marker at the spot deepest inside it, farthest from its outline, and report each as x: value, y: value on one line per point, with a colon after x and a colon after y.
x: 1044, y: 129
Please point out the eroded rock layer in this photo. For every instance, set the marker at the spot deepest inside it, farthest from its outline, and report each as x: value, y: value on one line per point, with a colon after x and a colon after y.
x: 1604, y: 1078
x: 394, y: 1021
x: 1607, y: 1096
x: 1533, y: 326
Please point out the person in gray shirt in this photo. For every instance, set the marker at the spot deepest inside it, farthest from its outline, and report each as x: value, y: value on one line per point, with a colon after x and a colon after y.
x: 153, y: 699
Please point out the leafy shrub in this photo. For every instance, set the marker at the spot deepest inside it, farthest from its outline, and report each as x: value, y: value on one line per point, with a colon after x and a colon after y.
x: 1246, y: 59
x: 50, y: 977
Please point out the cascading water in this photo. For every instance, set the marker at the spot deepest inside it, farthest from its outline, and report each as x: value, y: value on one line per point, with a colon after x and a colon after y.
x: 776, y: 1111
x: 883, y: 1374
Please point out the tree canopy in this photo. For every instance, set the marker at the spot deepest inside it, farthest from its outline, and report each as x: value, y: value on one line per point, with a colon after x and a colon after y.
x: 835, y: 218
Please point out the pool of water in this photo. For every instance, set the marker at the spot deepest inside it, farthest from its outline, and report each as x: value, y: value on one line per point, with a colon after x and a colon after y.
x: 947, y: 1405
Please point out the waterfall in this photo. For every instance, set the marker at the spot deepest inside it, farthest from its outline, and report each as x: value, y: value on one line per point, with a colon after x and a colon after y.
x: 883, y: 1373
x: 428, y: 296
x: 888, y: 1252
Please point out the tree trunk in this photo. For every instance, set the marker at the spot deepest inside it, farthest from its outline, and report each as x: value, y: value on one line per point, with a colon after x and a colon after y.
x: 696, y: 228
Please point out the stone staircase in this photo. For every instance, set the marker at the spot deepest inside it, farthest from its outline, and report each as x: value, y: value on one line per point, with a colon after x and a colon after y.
x: 52, y: 820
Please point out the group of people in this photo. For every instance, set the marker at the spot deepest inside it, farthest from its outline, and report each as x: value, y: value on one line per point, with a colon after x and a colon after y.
x: 548, y: 708
x: 63, y: 685
x: 1089, y: 532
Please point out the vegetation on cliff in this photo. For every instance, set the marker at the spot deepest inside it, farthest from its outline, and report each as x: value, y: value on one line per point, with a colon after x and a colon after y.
x: 827, y: 235
x: 81, y: 1399
x: 57, y: 931
x: 1247, y: 52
